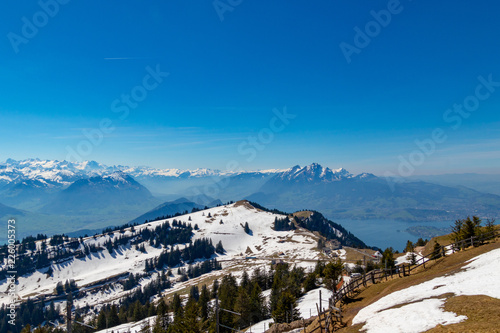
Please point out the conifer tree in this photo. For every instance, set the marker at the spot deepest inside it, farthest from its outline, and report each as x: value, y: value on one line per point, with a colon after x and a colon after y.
x: 469, y: 228
x: 67, y: 287
x: 421, y: 242
x: 51, y: 312
x: 457, y: 231
x: 178, y: 325
x: 219, y: 248
x: 215, y: 288
x: 191, y: 323
x: 194, y: 293
x: 113, y: 319
x: 245, y: 281
x: 137, y: 314
x: 176, y: 304
x: 241, y: 306
x: 436, y: 252
x: 319, y: 267
x: 59, y: 288
x: 413, y: 258
x: 101, y: 320
x: 259, y: 278
x: 490, y: 226
x: 160, y: 326
x: 388, y: 258
x: 228, y: 290
x: 203, y: 302
x: 122, y: 315
x: 286, y: 309
x: 310, y: 282
x: 283, y: 293
x: 332, y: 272
x: 409, y: 246
x: 258, y: 310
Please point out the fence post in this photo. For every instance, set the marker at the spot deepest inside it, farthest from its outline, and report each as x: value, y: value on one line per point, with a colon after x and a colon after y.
x: 217, y: 314
x: 320, y: 306
x: 319, y: 319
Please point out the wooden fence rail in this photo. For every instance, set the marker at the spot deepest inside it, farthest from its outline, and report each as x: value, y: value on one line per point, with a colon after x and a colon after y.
x: 403, y: 270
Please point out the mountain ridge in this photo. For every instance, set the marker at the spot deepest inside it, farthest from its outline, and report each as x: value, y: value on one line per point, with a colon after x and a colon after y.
x: 336, y: 192
x: 117, y: 191
x: 63, y: 172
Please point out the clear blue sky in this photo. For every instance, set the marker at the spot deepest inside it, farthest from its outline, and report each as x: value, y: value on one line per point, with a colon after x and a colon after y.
x: 226, y: 77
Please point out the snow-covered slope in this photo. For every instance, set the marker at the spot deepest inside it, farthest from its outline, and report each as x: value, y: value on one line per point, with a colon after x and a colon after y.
x: 420, y: 307
x: 224, y: 223
x: 307, y: 306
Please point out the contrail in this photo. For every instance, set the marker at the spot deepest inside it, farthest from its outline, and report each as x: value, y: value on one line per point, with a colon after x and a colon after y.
x: 128, y: 58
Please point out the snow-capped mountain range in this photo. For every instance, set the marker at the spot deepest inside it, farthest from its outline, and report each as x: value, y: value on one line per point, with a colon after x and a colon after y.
x: 57, y: 187
x: 49, y: 173
x: 317, y: 173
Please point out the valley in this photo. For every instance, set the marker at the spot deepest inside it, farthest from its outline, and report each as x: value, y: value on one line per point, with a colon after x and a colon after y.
x: 91, y: 196
x: 131, y: 254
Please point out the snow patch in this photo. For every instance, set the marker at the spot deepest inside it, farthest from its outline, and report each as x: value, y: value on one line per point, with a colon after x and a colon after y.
x: 412, y: 318
x: 480, y: 277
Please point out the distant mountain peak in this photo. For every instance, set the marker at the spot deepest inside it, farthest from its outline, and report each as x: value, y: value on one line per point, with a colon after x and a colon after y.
x: 314, y: 172
x: 366, y: 175
x: 118, y: 176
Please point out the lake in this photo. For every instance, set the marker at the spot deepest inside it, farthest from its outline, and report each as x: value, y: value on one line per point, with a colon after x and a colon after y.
x: 385, y: 233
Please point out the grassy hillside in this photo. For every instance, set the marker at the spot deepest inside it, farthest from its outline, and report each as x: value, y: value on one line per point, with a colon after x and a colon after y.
x: 482, y: 311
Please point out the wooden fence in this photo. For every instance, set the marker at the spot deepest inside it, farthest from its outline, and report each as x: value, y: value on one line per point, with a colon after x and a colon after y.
x: 403, y: 270
x: 328, y: 320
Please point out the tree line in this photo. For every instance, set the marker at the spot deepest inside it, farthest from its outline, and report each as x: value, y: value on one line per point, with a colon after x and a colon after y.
x: 196, y: 312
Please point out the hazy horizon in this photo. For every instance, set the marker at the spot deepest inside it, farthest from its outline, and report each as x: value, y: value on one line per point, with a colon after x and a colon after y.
x: 258, y: 169
x: 388, y: 87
